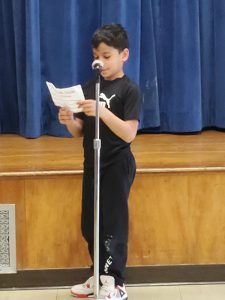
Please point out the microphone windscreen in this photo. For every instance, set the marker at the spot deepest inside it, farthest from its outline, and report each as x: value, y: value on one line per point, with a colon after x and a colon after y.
x: 97, y: 64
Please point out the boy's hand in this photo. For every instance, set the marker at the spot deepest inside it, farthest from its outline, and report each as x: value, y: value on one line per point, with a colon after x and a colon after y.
x: 65, y: 116
x: 89, y: 107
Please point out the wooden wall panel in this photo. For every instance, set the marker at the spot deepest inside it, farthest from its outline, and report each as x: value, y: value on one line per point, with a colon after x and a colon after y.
x: 177, y: 219
x: 53, y: 208
x: 159, y: 221
x: 207, y: 214
x: 12, y: 192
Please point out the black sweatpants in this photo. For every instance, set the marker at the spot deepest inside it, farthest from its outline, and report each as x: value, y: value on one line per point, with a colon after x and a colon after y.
x: 115, y: 183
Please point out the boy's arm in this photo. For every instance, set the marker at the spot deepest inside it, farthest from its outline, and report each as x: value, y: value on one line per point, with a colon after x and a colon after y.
x: 74, y: 126
x: 126, y: 130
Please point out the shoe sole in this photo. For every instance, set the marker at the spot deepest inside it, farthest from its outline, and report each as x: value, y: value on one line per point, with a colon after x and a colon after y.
x: 82, y: 295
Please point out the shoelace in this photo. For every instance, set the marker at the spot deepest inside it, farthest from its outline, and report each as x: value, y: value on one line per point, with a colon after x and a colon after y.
x: 106, y: 290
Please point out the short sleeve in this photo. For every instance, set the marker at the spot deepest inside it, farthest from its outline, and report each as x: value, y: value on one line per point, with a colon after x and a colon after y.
x: 132, y: 103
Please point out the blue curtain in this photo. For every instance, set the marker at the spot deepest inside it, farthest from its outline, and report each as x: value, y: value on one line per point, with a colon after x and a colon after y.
x: 176, y: 56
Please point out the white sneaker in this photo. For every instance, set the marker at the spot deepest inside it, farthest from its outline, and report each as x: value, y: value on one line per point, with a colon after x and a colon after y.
x: 118, y: 293
x: 107, y: 290
x: 108, y: 286
x: 110, y: 291
x: 83, y: 290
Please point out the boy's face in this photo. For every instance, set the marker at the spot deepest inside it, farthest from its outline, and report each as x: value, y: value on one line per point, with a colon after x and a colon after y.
x: 112, y: 59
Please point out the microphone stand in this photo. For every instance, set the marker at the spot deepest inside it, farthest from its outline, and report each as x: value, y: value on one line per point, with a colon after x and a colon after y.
x: 97, y: 147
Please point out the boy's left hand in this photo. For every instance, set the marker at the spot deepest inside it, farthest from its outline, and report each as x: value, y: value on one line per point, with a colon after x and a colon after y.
x: 89, y: 107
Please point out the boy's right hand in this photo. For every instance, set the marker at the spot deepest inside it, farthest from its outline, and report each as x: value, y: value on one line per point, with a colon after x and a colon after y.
x: 65, y: 116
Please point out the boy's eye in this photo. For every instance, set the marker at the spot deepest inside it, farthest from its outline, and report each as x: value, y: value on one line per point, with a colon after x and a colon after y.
x: 105, y: 57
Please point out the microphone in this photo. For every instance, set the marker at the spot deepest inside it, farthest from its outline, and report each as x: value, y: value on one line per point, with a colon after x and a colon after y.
x: 97, y: 65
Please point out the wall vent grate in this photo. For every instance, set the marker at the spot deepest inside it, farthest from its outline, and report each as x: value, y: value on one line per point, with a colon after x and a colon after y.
x: 7, y: 238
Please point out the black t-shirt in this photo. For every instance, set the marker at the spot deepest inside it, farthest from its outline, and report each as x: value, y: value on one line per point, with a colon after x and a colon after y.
x: 121, y: 96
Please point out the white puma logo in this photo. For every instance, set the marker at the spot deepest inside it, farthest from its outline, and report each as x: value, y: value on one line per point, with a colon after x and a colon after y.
x: 103, y: 96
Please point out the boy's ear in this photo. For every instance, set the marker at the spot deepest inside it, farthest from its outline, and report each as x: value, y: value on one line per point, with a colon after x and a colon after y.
x: 125, y: 54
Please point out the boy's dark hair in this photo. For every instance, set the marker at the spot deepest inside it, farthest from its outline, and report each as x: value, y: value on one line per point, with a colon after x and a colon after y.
x: 113, y: 35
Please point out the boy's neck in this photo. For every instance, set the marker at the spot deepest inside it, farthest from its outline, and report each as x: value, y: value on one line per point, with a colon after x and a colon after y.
x: 119, y: 75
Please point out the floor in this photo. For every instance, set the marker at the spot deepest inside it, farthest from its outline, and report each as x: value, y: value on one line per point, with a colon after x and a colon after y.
x: 181, y: 292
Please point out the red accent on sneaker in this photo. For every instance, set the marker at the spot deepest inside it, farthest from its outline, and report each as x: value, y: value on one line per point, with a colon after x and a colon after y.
x: 79, y: 295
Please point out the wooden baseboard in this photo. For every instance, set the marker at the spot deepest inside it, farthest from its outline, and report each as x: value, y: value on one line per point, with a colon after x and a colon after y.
x: 134, y: 275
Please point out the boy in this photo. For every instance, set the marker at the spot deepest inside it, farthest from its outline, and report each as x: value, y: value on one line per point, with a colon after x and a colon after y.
x: 119, y: 114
